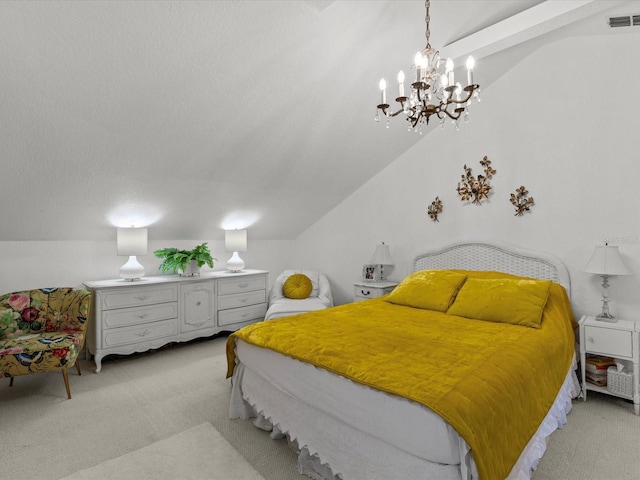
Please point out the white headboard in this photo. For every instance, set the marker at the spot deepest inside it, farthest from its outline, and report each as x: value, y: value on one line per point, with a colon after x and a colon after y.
x: 494, y: 256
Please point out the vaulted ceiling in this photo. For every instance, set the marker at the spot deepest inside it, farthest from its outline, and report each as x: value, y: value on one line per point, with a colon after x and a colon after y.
x: 193, y: 116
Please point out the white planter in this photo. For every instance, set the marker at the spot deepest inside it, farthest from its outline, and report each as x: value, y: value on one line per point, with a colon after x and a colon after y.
x: 192, y: 270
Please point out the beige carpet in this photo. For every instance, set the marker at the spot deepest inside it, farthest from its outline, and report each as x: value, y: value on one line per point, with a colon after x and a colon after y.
x: 188, y: 455
x: 161, y: 398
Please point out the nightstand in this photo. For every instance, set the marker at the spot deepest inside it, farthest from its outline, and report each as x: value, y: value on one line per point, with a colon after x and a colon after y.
x: 365, y: 290
x: 618, y: 340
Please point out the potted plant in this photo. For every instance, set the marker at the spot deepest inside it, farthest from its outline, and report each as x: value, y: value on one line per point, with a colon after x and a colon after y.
x: 188, y: 262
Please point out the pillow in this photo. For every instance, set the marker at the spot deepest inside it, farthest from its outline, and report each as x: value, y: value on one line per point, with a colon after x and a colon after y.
x: 502, y: 300
x: 313, y: 276
x: 428, y: 289
x: 297, y: 287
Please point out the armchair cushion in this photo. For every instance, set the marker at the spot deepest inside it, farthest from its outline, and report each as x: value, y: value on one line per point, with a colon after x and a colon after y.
x: 38, y: 352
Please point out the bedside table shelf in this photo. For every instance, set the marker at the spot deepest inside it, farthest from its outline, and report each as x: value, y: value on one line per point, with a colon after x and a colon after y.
x: 619, y: 340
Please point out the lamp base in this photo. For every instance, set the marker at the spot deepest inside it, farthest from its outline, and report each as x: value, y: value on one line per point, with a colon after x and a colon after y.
x: 606, y: 317
x: 235, y: 263
x: 132, y: 270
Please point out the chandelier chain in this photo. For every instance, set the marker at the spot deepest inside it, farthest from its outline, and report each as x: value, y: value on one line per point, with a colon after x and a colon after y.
x: 427, y: 18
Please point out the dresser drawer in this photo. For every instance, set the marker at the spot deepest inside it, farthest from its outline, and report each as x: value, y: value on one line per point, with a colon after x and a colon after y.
x: 241, y: 299
x: 238, y: 315
x: 607, y: 341
x: 238, y: 285
x: 139, y: 334
x: 133, y: 316
x: 130, y: 297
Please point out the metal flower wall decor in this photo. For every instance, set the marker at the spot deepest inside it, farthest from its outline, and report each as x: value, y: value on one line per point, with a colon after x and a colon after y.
x: 477, y: 188
x: 521, y: 201
x: 435, y: 209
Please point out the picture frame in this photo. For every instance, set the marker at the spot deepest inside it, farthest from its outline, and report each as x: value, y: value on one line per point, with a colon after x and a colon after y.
x: 371, y: 273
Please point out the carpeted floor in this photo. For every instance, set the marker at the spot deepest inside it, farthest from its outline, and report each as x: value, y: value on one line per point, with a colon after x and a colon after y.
x: 141, y: 400
x: 184, y: 455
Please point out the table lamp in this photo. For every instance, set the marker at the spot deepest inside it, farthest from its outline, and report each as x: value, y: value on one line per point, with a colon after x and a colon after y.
x: 606, y: 262
x: 381, y: 257
x: 235, y: 241
x: 132, y: 242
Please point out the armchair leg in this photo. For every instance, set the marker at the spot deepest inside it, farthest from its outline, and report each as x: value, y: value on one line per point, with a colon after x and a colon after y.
x: 78, y: 367
x: 11, y: 381
x: 66, y: 382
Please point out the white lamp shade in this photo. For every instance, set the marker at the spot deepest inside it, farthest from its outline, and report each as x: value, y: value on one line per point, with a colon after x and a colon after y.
x: 606, y: 260
x: 381, y: 256
x: 132, y: 241
x: 235, y: 240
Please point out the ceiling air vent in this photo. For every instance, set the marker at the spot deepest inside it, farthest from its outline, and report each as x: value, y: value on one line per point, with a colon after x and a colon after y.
x: 624, y: 21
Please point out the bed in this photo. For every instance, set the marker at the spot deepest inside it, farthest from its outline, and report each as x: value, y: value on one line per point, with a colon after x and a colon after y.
x: 428, y: 391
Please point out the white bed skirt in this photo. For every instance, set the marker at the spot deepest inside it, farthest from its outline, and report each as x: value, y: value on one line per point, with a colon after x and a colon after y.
x: 341, y: 432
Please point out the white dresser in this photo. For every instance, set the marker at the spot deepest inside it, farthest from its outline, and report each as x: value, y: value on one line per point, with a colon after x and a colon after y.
x: 130, y: 317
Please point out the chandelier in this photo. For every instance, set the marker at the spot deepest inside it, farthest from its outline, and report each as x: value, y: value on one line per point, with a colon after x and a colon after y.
x: 434, y: 92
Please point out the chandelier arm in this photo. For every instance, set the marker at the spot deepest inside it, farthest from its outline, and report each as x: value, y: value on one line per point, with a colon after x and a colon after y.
x: 469, y: 95
x: 452, y: 117
x: 384, y: 111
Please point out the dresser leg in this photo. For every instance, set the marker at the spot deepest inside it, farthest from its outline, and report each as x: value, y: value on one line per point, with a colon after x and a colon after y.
x: 98, y: 359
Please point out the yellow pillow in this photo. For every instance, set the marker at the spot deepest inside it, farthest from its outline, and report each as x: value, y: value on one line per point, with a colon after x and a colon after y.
x: 428, y: 289
x: 297, y: 286
x: 502, y: 300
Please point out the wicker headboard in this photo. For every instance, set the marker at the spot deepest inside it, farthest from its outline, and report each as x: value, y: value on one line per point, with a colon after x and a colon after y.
x: 492, y: 256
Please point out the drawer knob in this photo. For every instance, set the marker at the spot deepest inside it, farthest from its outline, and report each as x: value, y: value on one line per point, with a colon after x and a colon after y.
x: 141, y: 297
x: 198, y: 304
x: 143, y: 333
x: 142, y: 315
x: 365, y: 293
x: 590, y: 340
x: 243, y: 285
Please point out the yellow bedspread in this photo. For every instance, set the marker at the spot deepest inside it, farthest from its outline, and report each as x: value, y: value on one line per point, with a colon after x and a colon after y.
x: 494, y: 383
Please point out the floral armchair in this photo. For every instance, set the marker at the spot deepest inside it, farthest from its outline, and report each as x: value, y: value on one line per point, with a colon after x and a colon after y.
x: 42, y: 330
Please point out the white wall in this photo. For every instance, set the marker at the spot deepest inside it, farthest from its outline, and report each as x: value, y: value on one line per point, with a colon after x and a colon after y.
x: 564, y: 123
x: 28, y: 265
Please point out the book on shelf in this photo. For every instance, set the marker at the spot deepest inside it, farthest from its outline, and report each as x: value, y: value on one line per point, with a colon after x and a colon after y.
x: 598, y: 361
x: 596, y: 367
x: 599, y: 382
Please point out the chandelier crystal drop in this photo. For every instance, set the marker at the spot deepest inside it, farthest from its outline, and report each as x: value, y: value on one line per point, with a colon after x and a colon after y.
x: 434, y: 92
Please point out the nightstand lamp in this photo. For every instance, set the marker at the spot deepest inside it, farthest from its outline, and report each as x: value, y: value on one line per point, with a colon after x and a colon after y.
x: 606, y: 262
x: 132, y: 242
x: 235, y: 241
x: 381, y: 257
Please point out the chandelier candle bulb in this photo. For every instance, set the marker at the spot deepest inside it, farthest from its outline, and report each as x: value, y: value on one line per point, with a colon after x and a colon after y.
x: 418, y: 62
x: 470, y: 64
x: 449, y: 71
x: 383, y: 93
x: 401, y: 83
x: 459, y: 95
